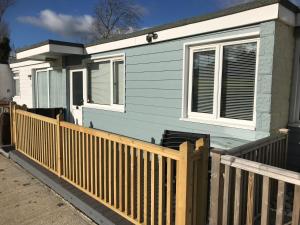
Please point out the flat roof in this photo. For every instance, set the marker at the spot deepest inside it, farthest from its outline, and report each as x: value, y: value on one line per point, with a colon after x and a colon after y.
x: 48, y: 42
x: 232, y: 10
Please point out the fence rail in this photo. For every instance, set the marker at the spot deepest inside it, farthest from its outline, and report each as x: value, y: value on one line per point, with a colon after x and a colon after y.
x: 143, y: 182
x: 271, y: 150
x: 249, y: 192
x: 273, y: 210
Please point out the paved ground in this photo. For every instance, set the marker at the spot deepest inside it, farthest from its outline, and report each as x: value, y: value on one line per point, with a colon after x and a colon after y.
x: 24, y: 200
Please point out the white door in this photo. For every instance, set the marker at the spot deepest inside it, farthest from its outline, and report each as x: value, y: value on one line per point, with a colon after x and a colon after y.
x: 77, y: 84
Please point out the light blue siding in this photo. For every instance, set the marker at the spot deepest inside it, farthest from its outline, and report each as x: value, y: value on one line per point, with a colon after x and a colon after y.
x: 154, y: 78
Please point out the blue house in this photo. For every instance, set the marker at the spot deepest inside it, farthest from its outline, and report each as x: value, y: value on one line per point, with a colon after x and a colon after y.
x: 233, y: 74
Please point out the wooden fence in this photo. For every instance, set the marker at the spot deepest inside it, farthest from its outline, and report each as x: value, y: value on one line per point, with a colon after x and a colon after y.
x: 249, y: 192
x: 271, y: 150
x: 143, y: 182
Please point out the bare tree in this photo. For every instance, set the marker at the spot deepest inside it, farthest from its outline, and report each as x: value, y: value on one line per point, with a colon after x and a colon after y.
x: 4, y: 5
x: 114, y: 17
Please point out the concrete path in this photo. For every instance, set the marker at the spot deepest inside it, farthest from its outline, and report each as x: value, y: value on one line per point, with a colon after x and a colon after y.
x: 26, y: 201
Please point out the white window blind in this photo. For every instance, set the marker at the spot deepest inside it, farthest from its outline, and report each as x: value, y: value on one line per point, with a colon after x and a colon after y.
x: 118, y: 83
x: 203, y: 81
x: 99, y: 83
x: 57, y: 88
x: 222, y: 82
x: 238, y: 81
x: 106, y: 84
x: 17, y: 86
x: 42, y: 89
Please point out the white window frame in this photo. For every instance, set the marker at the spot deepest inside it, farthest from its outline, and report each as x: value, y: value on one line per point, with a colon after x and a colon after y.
x: 214, y: 118
x: 16, y: 76
x: 111, y: 107
x: 48, y: 85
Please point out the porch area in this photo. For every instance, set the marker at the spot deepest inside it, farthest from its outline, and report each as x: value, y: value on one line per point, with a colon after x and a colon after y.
x: 150, y: 184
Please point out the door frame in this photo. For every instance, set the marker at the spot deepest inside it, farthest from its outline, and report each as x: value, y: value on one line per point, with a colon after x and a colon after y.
x: 84, y: 88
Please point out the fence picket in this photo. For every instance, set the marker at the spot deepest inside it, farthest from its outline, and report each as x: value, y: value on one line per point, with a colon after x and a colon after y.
x: 134, y: 178
x: 237, y: 197
x: 296, y: 206
x: 265, y: 201
x: 280, y: 203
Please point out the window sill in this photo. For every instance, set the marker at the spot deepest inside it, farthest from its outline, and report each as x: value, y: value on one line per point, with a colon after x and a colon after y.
x: 114, y: 108
x: 221, y: 123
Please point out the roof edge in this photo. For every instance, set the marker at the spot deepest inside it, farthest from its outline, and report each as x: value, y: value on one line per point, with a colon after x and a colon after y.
x: 48, y: 42
x: 196, y: 19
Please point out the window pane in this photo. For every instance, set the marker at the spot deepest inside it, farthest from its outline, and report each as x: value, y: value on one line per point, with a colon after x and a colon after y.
x: 203, y: 81
x: 238, y: 81
x: 99, y: 90
x: 42, y: 89
x: 119, y: 81
x: 57, y: 88
x: 17, y: 86
x: 77, y: 88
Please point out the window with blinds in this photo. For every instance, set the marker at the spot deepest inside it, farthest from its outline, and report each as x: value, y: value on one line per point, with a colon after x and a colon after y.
x: 50, y: 88
x: 222, y: 81
x: 238, y: 81
x: 203, y: 81
x: 17, y: 84
x: 99, y: 83
x: 41, y: 89
x: 106, y: 83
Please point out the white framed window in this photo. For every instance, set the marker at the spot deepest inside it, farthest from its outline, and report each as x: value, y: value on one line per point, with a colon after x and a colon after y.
x: 16, y: 78
x: 49, y: 88
x: 220, y: 83
x: 106, y: 84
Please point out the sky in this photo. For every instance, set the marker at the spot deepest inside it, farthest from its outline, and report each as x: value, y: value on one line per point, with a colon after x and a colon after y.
x: 33, y: 21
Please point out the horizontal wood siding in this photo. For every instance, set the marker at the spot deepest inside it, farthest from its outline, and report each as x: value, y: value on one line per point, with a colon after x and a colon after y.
x: 154, y: 76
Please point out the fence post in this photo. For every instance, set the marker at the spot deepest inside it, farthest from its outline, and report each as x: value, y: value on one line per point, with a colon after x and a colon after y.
x: 286, y: 146
x: 14, y: 130
x: 216, y: 189
x: 184, y: 185
x: 58, y: 145
x: 11, y: 113
x: 201, y: 180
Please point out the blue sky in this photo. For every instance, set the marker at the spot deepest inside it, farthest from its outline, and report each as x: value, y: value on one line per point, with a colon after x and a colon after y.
x: 30, y: 20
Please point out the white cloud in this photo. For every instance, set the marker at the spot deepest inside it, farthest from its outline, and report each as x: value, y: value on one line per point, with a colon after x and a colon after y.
x: 76, y: 27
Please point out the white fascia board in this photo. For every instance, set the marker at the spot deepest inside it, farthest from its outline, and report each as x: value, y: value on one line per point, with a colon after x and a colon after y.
x: 33, y: 52
x: 61, y: 49
x: 258, y: 15
x: 25, y: 63
x: 287, y: 16
x: 50, y: 48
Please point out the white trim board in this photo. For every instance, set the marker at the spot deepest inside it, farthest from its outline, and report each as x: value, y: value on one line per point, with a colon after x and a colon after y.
x: 50, y: 48
x: 258, y: 15
x: 26, y: 63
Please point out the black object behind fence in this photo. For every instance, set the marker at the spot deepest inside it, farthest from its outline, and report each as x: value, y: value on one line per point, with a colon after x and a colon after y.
x: 173, y: 139
x: 4, y: 129
x: 52, y: 113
